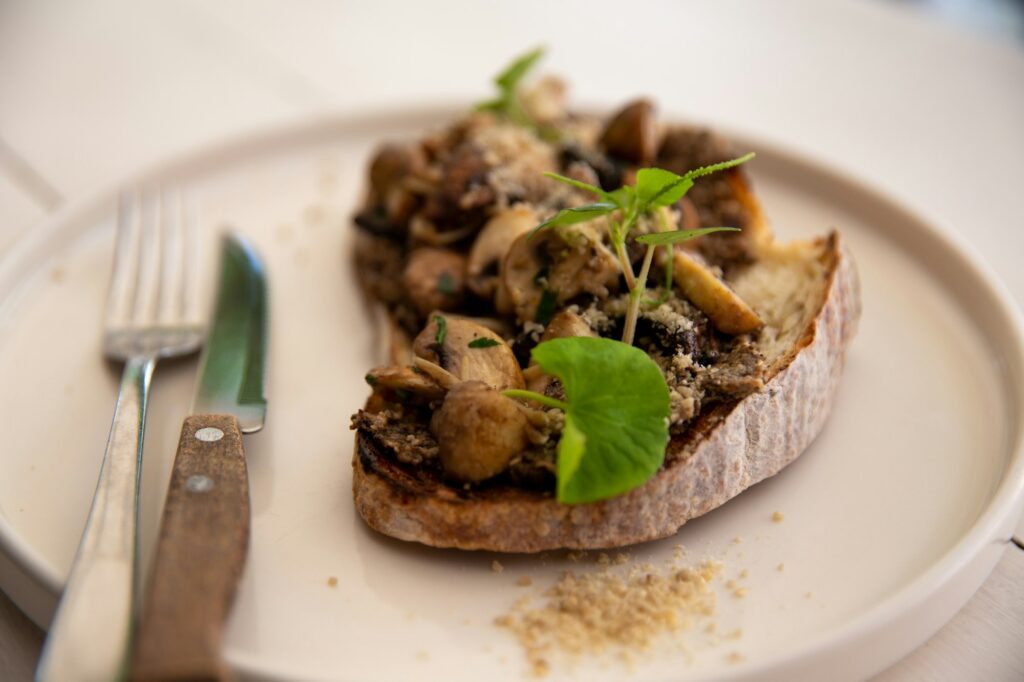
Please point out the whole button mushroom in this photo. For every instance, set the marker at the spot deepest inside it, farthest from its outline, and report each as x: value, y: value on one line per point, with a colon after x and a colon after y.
x: 478, y: 432
x: 434, y: 279
x: 632, y: 134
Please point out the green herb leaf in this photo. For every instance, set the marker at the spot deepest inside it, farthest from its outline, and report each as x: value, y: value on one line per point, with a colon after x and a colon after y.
x: 508, y: 80
x: 578, y: 214
x: 586, y: 187
x: 483, y: 342
x: 715, y: 167
x: 507, y: 101
x: 446, y: 284
x: 676, y: 236
x: 616, y: 423
x: 651, y: 183
x: 371, y: 380
x: 546, y: 307
x: 442, y: 329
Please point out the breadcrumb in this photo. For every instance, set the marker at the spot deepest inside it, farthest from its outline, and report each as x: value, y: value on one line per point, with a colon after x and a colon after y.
x: 778, y: 517
x: 332, y: 582
x: 524, y: 581
x: 610, y: 611
x: 496, y: 566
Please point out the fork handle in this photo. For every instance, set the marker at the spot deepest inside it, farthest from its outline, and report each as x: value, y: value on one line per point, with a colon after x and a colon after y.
x: 90, y: 634
x: 204, y: 538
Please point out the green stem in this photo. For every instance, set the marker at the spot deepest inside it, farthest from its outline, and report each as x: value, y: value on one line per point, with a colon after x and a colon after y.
x: 635, y: 293
x: 537, y: 397
x: 627, y: 267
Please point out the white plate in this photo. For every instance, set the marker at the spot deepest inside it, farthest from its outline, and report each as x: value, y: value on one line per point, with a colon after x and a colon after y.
x: 893, y: 517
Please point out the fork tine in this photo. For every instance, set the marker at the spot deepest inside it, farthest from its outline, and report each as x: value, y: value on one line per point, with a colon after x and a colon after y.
x: 169, y: 309
x: 189, y: 291
x: 147, y: 279
x: 122, y: 276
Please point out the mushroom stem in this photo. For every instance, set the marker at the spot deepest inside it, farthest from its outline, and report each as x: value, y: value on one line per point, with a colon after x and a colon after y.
x: 436, y: 372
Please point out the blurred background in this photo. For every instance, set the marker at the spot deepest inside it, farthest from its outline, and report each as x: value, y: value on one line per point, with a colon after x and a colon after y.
x: 93, y: 91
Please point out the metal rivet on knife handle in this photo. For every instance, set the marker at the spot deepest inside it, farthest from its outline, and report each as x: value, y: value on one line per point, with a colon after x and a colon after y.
x: 209, y: 434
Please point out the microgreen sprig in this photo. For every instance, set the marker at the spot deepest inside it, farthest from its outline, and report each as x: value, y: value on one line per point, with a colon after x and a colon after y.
x: 654, y: 191
x: 507, y: 102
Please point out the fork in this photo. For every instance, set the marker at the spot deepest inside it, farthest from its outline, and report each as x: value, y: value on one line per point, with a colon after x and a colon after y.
x: 151, y: 313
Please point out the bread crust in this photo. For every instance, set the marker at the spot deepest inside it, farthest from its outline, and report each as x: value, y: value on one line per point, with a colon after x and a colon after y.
x: 730, y: 448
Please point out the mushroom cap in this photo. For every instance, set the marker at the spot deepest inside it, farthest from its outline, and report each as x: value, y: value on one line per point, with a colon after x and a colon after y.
x: 495, y: 365
x: 478, y: 431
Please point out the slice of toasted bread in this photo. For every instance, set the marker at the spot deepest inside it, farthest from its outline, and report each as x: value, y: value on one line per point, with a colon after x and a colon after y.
x: 806, y: 293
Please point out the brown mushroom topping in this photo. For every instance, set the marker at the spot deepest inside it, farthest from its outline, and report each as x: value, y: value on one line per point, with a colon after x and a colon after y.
x: 434, y: 279
x: 491, y: 361
x: 400, y: 380
x: 553, y: 267
x: 566, y: 324
x: 726, y: 310
x: 632, y: 134
x: 562, y: 326
x: 478, y: 432
x: 425, y: 232
x: 492, y: 244
x: 391, y: 165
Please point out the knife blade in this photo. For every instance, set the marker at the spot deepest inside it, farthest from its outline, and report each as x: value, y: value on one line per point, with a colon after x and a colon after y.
x: 204, y: 530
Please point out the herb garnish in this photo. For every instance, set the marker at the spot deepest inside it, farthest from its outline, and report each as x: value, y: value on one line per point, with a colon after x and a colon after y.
x: 655, y: 190
x: 483, y: 342
x: 615, y: 433
x: 442, y: 329
x: 507, y: 102
x: 446, y: 284
x: 546, y: 306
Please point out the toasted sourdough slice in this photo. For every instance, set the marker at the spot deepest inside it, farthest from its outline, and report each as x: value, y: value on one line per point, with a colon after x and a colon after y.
x: 808, y: 295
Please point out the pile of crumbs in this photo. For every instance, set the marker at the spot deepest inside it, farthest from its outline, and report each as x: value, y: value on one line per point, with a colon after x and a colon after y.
x: 620, y: 613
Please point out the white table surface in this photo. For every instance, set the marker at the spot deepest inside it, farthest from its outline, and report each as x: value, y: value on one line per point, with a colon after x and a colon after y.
x: 92, y: 91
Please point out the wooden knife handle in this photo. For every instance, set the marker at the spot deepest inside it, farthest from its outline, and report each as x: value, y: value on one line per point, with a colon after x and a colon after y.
x: 204, y: 536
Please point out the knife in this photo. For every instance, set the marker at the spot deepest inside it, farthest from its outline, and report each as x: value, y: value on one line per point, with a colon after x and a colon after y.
x: 204, y: 532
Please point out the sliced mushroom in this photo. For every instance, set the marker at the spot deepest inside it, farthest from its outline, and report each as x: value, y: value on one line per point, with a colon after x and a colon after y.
x: 632, y: 134
x: 434, y: 279
x: 424, y: 232
x: 726, y: 310
x: 404, y: 379
x: 562, y: 326
x: 478, y: 432
x: 494, y: 364
x: 391, y: 165
x: 553, y: 267
x: 492, y: 244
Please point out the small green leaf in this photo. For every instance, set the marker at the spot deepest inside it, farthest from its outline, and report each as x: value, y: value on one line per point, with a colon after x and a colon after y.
x: 650, y: 182
x: 446, y: 284
x: 586, y: 187
x: 442, y: 329
x: 496, y: 105
x: 546, y: 307
x: 676, y: 236
x: 509, y: 79
x: 616, y: 422
x: 371, y: 380
x: 483, y: 342
x: 578, y: 214
x: 715, y: 167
